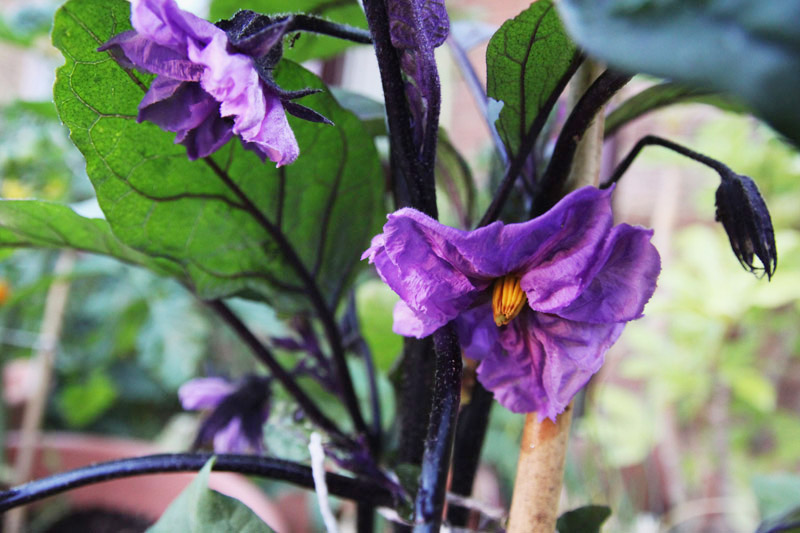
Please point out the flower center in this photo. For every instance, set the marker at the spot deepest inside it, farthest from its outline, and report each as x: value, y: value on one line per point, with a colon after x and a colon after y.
x: 507, y: 299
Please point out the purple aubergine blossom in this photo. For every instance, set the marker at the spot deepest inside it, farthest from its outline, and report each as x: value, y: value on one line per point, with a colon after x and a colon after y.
x: 238, y: 412
x: 203, y: 91
x: 537, y: 303
x: 417, y: 27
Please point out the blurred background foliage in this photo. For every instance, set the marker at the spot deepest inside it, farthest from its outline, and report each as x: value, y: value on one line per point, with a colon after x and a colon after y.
x: 692, y: 425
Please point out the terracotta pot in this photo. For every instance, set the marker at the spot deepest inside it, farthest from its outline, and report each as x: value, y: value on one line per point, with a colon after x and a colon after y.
x: 146, y: 495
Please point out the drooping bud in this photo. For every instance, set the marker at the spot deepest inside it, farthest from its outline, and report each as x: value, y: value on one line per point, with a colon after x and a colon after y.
x: 744, y: 215
x: 508, y: 299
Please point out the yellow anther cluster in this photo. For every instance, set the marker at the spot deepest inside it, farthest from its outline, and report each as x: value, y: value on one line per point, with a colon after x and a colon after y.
x: 507, y: 299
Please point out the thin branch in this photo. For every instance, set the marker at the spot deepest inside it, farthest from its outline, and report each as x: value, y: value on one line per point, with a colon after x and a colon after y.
x: 301, y: 22
x: 342, y: 486
x: 441, y: 428
x: 526, y: 146
x: 323, y: 311
x: 265, y: 356
x: 579, y: 120
x: 647, y: 140
x: 475, y: 87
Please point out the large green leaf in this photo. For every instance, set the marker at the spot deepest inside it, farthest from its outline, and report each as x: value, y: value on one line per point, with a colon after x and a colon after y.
x: 34, y: 224
x: 587, y: 519
x: 528, y: 62
x: 308, y: 45
x: 662, y: 95
x: 199, y: 509
x: 164, y: 205
x: 745, y: 48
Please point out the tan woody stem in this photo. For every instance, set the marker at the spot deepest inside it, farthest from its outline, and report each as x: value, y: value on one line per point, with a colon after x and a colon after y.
x: 540, y: 469
x: 543, y: 450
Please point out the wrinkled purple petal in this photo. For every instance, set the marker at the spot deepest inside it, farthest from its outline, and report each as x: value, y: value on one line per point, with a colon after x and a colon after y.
x: 625, y: 281
x: 163, y: 22
x: 545, y: 361
x: 139, y: 51
x: 204, y: 393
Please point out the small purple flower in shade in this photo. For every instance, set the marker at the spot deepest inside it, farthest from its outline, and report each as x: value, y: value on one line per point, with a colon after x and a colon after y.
x: 537, y: 303
x: 238, y: 412
x: 204, y: 91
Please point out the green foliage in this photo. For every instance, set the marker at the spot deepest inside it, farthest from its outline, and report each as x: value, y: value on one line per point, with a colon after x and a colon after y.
x: 29, y: 223
x: 663, y: 95
x: 82, y: 403
x: 307, y: 45
x: 24, y: 25
x: 375, y: 302
x: 587, y: 519
x: 747, y: 49
x: 528, y: 62
x: 199, y: 509
x: 159, y: 202
x: 777, y: 493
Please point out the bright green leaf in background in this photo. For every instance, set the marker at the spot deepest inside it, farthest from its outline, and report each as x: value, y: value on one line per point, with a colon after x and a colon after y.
x: 528, y: 62
x: 164, y: 205
x: 81, y: 404
x: 34, y: 224
x: 307, y: 45
x: 745, y: 48
x: 199, y: 509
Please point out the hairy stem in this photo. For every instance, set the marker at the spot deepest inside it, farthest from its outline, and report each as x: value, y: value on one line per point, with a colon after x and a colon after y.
x: 551, y: 186
x: 265, y: 356
x: 324, y: 313
x: 441, y: 429
x: 310, y: 23
x: 647, y: 140
x: 344, y: 487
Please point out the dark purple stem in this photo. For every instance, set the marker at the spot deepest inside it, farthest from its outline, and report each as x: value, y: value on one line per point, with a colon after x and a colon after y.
x: 356, y: 489
x: 429, y: 503
x: 312, y: 290
x: 310, y: 23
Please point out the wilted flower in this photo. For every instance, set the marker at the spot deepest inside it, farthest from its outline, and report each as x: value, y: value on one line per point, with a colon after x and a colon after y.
x: 538, y: 303
x: 238, y: 411
x: 207, y: 90
x: 744, y: 215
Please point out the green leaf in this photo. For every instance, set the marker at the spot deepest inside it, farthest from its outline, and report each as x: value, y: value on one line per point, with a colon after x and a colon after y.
x: 787, y: 523
x: 308, y: 45
x: 35, y: 224
x: 587, y: 519
x: 776, y: 493
x: 528, y: 61
x: 662, y: 95
x: 747, y: 49
x: 164, y: 205
x: 81, y: 404
x: 199, y: 509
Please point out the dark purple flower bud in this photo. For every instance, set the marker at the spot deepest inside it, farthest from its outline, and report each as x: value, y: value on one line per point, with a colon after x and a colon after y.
x: 744, y: 215
x: 238, y: 412
x: 416, y: 28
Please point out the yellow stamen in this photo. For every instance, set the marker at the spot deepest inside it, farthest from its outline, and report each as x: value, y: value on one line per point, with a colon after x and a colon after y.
x: 507, y: 299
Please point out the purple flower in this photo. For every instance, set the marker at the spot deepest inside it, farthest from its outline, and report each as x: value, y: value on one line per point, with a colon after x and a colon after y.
x: 238, y: 411
x: 581, y: 277
x: 204, y: 92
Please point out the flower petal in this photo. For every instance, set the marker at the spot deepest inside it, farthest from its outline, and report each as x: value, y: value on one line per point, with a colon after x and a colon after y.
x: 204, y: 393
x: 140, y: 52
x: 629, y: 267
x: 545, y: 362
x: 163, y: 22
x: 569, y: 239
x: 231, y: 439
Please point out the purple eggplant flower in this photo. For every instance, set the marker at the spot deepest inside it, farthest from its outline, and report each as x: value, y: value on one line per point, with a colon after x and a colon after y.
x: 238, y: 412
x: 537, y: 303
x: 203, y: 91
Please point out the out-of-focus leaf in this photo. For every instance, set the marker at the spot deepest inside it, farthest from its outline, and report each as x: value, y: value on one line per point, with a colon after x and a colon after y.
x: 454, y: 179
x: 623, y: 426
x: 747, y: 49
x: 587, y: 519
x: 199, y: 509
x: 34, y: 224
x: 164, y: 205
x: 786, y: 523
x: 25, y: 25
x: 371, y: 112
x: 776, y: 493
x: 662, y: 95
x: 752, y: 388
x: 375, y: 302
x: 308, y: 45
x: 528, y: 62
x: 81, y: 404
